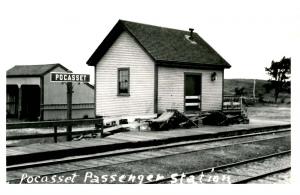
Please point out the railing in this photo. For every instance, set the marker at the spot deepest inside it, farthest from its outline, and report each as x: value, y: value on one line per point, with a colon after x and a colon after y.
x: 232, y: 103
x: 98, y: 122
x: 82, y: 106
x: 192, y: 102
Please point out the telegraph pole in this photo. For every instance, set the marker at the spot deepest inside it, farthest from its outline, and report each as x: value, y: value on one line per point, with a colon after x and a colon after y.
x: 69, y: 109
x: 254, y: 83
x: 69, y: 78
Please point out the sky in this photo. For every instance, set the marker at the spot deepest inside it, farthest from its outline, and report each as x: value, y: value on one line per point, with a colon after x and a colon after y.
x: 248, y: 34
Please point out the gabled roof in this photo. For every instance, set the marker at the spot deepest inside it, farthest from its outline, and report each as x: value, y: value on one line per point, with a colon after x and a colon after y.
x: 163, y: 45
x: 36, y: 71
x: 32, y: 70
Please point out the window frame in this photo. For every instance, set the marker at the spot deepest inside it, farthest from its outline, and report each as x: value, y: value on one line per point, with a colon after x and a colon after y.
x: 118, y: 86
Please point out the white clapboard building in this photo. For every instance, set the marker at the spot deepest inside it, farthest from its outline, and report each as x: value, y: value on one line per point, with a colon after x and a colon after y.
x: 142, y: 69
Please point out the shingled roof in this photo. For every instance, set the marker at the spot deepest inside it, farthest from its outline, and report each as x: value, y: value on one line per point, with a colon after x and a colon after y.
x: 32, y: 70
x: 163, y: 45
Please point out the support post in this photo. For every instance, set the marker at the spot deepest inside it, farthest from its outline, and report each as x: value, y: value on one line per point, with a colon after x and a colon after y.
x: 69, y: 109
x: 55, y: 134
x: 101, y: 130
x: 254, y: 83
x: 99, y: 126
x: 19, y: 101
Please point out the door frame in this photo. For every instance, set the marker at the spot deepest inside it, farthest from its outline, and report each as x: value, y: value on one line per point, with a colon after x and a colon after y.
x: 184, y: 94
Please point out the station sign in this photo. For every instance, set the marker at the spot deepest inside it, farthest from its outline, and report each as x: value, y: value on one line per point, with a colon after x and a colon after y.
x: 69, y: 77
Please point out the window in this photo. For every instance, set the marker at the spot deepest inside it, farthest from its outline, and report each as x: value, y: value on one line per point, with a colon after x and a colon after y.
x: 123, y: 81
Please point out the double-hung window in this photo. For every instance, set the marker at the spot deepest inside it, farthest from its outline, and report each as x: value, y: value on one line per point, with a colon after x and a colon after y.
x: 123, y: 81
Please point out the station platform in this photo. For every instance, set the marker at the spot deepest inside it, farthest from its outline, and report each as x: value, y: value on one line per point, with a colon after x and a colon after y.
x: 132, y: 139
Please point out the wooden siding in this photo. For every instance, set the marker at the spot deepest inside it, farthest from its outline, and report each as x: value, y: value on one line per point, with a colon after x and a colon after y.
x: 171, y: 89
x: 125, y: 53
x: 56, y: 93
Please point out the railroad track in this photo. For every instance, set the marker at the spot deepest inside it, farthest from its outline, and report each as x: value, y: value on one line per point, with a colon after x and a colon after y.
x: 219, y: 170
x: 243, y: 181
x: 132, y: 155
x: 135, y: 150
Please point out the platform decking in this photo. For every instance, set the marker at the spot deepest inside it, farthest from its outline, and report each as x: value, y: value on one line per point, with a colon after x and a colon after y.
x: 124, y: 139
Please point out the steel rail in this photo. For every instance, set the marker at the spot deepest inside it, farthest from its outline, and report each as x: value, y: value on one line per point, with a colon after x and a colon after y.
x: 243, y: 181
x: 222, y: 166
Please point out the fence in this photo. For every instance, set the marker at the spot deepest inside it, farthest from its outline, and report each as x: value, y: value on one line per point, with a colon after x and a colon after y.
x: 237, y: 104
x: 98, y: 122
x: 232, y: 103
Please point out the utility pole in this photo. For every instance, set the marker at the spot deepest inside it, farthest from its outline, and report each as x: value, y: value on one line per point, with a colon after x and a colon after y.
x: 69, y: 109
x: 254, y: 83
x: 69, y: 78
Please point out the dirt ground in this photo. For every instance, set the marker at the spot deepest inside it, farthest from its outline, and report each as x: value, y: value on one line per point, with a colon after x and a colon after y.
x: 270, y: 112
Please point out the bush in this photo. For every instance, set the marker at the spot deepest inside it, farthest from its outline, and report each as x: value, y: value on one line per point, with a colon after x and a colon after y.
x: 261, y: 98
x: 215, y: 118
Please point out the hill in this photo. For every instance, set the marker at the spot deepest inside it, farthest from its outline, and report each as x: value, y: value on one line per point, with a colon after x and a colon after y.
x: 260, y: 91
x: 231, y: 84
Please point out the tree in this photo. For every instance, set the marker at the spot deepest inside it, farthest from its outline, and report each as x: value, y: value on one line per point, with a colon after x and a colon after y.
x: 280, y: 73
x: 239, y: 91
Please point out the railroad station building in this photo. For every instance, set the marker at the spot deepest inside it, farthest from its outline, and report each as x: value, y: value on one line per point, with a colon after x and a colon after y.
x: 143, y: 69
x: 31, y: 95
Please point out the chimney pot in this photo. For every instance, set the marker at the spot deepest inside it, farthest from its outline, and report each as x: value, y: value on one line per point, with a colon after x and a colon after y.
x: 191, y: 32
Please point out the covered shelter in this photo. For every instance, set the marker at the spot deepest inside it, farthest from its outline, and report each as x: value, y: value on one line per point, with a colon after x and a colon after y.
x: 32, y: 96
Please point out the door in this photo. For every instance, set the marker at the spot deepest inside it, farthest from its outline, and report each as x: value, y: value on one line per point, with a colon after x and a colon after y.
x: 192, y: 92
x: 31, y: 102
x: 12, y: 100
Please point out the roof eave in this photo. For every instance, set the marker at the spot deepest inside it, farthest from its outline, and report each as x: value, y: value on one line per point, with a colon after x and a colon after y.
x: 15, y: 76
x: 192, y: 65
x: 105, y: 44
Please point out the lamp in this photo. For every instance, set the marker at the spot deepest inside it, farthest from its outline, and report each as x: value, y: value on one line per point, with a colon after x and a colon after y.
x: 213, y: 76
